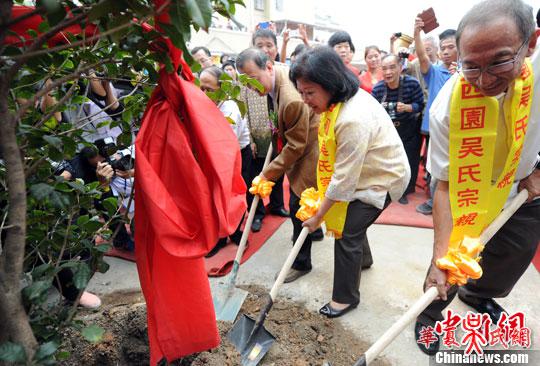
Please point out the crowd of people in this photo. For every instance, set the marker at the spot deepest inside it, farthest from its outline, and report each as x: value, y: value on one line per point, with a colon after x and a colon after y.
x: 357, y: 137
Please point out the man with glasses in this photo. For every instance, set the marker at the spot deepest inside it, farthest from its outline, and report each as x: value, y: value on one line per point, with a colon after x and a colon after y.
x: 485, y: 137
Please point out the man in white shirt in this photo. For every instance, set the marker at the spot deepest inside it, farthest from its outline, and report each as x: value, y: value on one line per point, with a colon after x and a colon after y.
x: 493, y: 40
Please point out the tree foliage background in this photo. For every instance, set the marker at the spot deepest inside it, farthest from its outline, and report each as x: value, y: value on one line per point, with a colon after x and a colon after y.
x: 43, y: 217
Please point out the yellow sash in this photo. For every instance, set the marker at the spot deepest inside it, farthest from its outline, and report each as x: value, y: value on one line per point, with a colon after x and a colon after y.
x: 335, y: 217
x: 474, y: 200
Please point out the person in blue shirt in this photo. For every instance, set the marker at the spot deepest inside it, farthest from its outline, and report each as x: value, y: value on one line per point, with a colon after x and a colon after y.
x: 435, y: 76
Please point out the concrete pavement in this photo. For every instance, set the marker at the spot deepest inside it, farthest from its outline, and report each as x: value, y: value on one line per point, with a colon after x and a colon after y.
x: 401, y: 256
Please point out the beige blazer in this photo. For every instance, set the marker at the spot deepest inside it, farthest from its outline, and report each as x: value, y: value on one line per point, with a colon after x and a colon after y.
x: 298, y: 128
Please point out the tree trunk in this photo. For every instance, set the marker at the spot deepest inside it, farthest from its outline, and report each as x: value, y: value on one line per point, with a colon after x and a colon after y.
x: 17, y: 323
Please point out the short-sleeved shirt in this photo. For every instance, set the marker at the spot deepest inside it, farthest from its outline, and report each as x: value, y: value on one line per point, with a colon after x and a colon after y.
x: 438, y: 156
x: 435, y: 79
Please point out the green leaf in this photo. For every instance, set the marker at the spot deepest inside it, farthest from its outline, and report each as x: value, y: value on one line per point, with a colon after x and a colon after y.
x: 103, y: 248
x: 43, y: 26
x: 230, y: 120
x: 36, y: 289
x: 41, y: 190
x: 12, y: 352
x: 82, y: 276
x: 51, y: 123
x: 39, y: 271
x: 93, y: 333
x: 92, y: 226
x: 81, y: 220
x: 62, y: 355
x: 102, y: 266
x: 242, y: 106
x: 111, y: 205
x: 46, y: 350
x: 54, y: 141
x: 200, y: 12
x: 256, y: 84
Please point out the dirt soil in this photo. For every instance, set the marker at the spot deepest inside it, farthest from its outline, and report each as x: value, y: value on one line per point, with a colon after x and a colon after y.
x: 303, y: 337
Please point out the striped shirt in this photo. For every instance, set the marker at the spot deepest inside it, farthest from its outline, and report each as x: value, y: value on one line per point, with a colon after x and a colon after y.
x: 408, y: 92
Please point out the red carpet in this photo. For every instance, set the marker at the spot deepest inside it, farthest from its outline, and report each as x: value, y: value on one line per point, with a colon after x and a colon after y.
x: 221, y: 263
x: 406, y: 215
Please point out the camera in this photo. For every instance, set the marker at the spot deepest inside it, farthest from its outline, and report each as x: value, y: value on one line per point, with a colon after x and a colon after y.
x: 124, y: 163
x: 390, y: 109
x: 107, y: 148
x: 397, y: 34
x: 403, y: 54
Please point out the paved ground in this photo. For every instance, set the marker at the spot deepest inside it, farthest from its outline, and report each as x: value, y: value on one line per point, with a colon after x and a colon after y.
x: 401, y: 256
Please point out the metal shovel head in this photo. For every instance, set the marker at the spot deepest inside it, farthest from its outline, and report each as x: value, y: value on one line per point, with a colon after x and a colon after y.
x: 227, y: 303
x: 251, y: 350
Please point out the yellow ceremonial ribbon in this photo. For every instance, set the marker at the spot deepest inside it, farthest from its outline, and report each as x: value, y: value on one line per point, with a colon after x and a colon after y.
x: 335, y: 217
x: 474, y: 200
x: 261, y: 187
x: 310, y: 202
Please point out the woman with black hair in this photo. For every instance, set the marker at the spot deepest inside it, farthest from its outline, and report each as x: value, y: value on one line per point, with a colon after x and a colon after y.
x: 362, y: 166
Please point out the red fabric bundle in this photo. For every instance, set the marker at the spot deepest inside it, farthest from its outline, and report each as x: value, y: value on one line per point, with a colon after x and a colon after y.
x: 21, y: 28
x: 189, y: 191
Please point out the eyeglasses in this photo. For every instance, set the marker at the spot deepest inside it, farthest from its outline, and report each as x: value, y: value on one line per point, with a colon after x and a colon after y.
x: 495, y: 69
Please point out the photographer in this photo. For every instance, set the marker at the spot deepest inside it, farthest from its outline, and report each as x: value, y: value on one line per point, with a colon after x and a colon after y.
x: 403, y: 99
x: 89, y: 166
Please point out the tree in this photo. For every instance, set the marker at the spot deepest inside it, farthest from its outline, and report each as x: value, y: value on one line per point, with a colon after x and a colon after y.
x: 43, y: 217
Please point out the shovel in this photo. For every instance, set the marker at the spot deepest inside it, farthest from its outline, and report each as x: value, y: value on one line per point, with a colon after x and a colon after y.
x: 432, y: 293
x: 229, y: 299
x: 250, y: 337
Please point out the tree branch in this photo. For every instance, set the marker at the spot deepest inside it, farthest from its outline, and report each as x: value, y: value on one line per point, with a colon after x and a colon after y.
x: 29, y: 103
x: 21, y: 60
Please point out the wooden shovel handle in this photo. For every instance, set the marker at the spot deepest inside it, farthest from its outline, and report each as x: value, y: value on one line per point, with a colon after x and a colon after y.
x: 431, y: 294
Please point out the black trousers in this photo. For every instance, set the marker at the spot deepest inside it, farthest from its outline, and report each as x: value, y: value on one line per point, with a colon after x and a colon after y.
x: 412, y: 146
x: 303, y: 259
x: 352, y: 250
x: 504, y: 260
x: 276, y: 197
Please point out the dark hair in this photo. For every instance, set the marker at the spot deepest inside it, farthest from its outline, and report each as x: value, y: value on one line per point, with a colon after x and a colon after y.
x: 483, y: 13
x: 369, y: 48
x: 222, y: 56
x: 449, y: 33
x: 390, y: 55
x: 340, y: 37
x: 197, y: 49
x: 538, y: 18
x: 264, y: 33
x: 214, y: 71
x: 228, y: 63
x: 298, y: 50
x: 252, y: 54
x: 323, y: 66
x: 89, y: 152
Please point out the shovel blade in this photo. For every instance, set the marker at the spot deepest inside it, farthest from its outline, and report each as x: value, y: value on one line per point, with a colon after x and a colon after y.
x: 251, y: 350
x: 227, y: 304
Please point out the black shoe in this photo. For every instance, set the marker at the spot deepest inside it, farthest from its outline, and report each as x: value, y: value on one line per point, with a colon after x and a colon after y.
x: 317, y: 235
x: 280, y: 212
x: 295, y: 274
x: 433, y: 347
x: 256, y: 225
x: 330, y: 312
x: 486, y: 306
x: 219, y: 245
x: 403, y: 200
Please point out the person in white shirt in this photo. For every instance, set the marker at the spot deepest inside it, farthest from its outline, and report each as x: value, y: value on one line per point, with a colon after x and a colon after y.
x: 210, y: 82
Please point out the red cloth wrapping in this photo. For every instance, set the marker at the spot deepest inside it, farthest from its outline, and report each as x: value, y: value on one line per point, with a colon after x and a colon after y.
x: 21, y: 28
x: 189, y: 191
